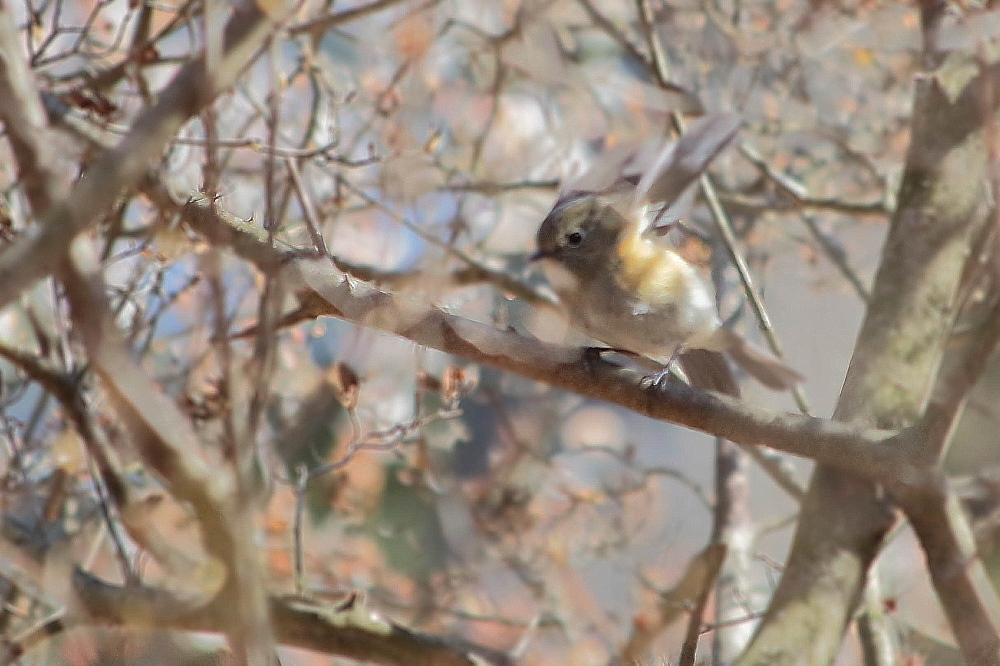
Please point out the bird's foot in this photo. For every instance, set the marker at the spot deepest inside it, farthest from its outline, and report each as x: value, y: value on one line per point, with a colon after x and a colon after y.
x: 656, y: 380
x: 660, y: 378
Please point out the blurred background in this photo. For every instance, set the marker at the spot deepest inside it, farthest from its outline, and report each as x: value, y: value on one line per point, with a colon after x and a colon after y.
x: 428, y: 138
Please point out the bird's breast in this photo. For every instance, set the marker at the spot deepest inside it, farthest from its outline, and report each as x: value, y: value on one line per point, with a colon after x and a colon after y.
x: 654, y: 274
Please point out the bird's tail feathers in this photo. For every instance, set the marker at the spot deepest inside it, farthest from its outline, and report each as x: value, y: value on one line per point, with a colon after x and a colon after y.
x: 765, y: 368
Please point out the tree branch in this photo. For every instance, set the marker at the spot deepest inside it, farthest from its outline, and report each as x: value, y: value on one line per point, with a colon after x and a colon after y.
x: 323, y: 290
x: 915, y: 297
x: 350, y: 630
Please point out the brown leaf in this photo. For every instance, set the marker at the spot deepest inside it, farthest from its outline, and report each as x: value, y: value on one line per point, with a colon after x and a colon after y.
x: 345, y: 384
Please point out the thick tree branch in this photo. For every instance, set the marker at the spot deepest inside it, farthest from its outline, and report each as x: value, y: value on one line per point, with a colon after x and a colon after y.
x: 915, y: 297
x: 350, y: 630
x: 955, y: 569
x: 323, y: 290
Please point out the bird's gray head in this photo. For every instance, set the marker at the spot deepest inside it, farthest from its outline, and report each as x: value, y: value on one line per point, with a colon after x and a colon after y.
x: 581, y: 233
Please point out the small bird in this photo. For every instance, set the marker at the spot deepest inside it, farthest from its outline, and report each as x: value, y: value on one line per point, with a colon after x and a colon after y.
x: 623, y: 286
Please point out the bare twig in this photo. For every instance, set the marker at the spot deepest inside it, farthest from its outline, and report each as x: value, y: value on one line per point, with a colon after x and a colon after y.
x: 839, y: 258
x: 316, y: 27
x: 689, y: 595
x: 715, y: 556
x: 612, y: 31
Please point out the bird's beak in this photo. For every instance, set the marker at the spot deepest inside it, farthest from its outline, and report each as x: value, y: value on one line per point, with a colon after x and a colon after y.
x: 541, y: 253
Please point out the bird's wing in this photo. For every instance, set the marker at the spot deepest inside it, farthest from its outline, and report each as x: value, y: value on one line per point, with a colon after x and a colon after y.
x: 682, y: 162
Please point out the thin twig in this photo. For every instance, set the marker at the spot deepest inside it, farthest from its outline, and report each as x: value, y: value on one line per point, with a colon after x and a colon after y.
x: 725, y: 229
x: 722, y: 223
x: 612, y: 31
x: 308, y: 209
x: 835, y: 254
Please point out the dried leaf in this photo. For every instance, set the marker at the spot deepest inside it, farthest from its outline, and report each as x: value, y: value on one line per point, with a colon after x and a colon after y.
x: 345, y: 384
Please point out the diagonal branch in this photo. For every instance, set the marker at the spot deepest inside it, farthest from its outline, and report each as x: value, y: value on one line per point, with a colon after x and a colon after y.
x: 350, y: 630
x: 915, y: 297
x: 324, y: 290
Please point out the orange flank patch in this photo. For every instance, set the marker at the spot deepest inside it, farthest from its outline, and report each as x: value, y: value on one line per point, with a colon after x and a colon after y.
x: 650, y: 271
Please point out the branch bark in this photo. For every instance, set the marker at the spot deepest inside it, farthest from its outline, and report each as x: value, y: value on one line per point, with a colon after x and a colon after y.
x: 323, y: 290
x: 914, y: 301
x: 350, y: 630
x: 38, y: 252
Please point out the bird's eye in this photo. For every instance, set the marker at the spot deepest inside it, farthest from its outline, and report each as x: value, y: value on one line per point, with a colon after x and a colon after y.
x: 574, y: 239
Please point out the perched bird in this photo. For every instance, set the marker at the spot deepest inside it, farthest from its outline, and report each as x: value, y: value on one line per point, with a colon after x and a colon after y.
x: 622, y: 284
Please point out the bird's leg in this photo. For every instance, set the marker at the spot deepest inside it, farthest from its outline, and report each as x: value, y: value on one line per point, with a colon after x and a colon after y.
x: 660, y: 378
x: 593, y: 355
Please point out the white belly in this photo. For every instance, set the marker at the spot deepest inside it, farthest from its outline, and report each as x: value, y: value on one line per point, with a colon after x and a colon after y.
x: 604, y: 311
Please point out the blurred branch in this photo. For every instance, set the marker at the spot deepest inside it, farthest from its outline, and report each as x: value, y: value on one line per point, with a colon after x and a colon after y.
x: 109, y: 471
x: 964, y: 589
x: 141, y: 46
x: 612, y: 31
x: 316, y: 27
x: 799, y: 197
x: 877, y: 632
x: 689, y: 595
x: 917, y: 293
x: 14, y: 648
x: 492, y: 188
x: 836, y: 254
x: 732, y: 525
x: 25, y: 125
x: 350, y: 629
x: 647, y: 24
x: 714, y: 558
x: 828, y: 205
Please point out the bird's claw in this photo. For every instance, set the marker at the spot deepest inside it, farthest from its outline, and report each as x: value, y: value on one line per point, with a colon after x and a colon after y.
x: 658, y: 380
